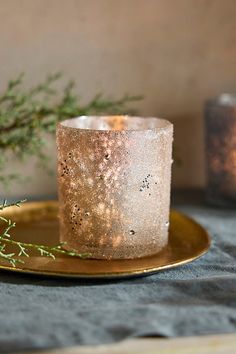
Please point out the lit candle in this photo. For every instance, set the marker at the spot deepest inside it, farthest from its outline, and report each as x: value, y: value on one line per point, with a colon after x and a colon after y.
x: 114, y: 185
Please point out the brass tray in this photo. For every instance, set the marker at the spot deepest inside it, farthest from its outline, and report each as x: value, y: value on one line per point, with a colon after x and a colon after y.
x: 37, y: 222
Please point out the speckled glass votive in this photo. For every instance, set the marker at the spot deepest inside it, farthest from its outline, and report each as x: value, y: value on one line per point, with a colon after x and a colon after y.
x: 114, y: 177
x: 220, y: 132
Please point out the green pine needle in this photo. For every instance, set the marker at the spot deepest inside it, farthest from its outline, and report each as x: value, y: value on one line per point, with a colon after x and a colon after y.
x: 27, y: 114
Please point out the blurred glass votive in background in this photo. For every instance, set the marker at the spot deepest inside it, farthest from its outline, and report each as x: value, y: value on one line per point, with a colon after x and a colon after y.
x: 220, y: 133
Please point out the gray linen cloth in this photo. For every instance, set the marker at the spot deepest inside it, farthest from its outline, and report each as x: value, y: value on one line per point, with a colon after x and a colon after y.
x: 194, y: 299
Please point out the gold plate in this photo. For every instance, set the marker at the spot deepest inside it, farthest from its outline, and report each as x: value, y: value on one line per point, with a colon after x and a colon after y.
x: 37, y: 222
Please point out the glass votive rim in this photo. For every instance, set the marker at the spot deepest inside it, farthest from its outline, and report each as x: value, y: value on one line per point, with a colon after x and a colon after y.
x: 107, y: 123
x: 225, y: 99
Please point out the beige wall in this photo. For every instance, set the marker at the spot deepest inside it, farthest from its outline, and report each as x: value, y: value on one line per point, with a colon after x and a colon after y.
x: 175, y: 52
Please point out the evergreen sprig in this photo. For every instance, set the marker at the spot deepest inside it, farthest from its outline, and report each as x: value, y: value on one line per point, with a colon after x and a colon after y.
x: 27, y: 114
x: 24, y: 248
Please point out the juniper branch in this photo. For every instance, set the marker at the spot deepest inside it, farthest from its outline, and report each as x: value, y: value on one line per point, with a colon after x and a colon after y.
x: 27, y: 114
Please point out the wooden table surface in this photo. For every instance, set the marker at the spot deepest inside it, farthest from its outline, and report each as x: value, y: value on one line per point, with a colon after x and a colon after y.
x: 217, y: 344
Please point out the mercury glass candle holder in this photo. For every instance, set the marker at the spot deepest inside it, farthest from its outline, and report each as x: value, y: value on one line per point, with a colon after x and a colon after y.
x: 220, y: 128
x: 114, y: 177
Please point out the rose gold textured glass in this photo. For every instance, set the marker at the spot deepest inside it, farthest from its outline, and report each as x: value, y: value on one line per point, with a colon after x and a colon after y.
x: 114, y: 177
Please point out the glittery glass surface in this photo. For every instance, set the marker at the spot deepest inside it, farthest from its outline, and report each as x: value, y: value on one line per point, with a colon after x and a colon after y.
x: 114, y: 185
x: 220, y: 121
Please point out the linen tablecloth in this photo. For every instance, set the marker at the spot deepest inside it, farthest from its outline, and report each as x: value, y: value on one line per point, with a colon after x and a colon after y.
x: 194, y: 299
